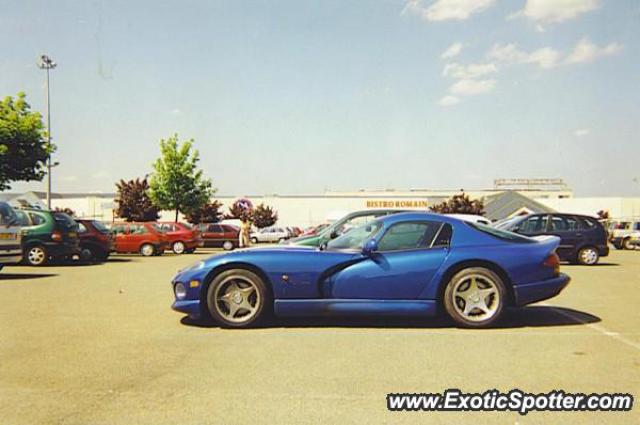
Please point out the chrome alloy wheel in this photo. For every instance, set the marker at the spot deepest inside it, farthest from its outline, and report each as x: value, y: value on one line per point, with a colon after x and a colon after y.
x: 37, y: 256
x: 588, y: 256
x: 237, y: 299
x: 227, y: 245
x: 476, y: 297
x: 178, y: 247
x: 147, y: 250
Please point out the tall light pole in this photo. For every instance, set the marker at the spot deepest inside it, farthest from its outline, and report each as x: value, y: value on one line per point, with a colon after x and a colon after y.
x: 47, y: 64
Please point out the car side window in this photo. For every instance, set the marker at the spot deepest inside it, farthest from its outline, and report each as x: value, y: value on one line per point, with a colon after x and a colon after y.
x: 443, y: 238
x: 559, y: 224
x: 23, y: 220
x: 535, y: 224
x: 82, y: 228
x: 36, y: 219
x: 216, y: 228
x: 415, y: 235
x: 119, y: 229
x: 139, y: 229
x: 572, y: 224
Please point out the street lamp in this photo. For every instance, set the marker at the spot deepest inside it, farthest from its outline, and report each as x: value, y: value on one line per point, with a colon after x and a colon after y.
x: 45, y: 62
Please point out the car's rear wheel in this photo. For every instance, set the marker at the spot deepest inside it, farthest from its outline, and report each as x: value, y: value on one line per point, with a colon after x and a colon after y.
x: 87, y: 254
x: 588, y: 256
x: 37, y: 255
x: 227, y: 245
x: 475, y: 297
x: 254, y: 240
x: 178, y: 247
x: 147, y: 250
x: 626, y: 244
x: 238, y: 298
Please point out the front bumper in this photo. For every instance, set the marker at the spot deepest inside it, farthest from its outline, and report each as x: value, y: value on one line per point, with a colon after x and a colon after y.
x: 190, y: 307
x: 538, y: 291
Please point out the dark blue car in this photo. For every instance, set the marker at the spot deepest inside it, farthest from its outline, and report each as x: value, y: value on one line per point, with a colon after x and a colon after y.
x: 583, y: 239
x: 409, y: 264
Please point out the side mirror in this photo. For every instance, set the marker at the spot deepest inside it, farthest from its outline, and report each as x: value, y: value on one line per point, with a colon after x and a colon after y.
x: 370, y: 247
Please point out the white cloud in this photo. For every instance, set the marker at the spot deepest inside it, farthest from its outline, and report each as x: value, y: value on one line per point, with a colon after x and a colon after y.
x: 452, y: 51
x: 443, y: 10
x: 581, y: 132
x: 546, y: 57
x: 175, y: 111
x: 586, y: 51
x: 554, y: 11
x: 468, y: 87
x: 449, y: 101
x: 473, y: 70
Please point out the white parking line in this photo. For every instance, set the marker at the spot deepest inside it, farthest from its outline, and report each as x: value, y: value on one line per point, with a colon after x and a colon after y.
x: 601, y: 329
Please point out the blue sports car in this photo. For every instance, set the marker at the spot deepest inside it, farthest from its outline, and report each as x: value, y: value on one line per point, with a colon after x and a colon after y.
x: 411, y: 264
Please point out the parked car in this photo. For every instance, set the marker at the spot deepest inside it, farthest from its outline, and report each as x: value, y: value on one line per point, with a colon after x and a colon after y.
x: 47, y: 235
x: 625, y: 233
x: 10, y: 236
x: 96, y: 242
x: 220, y: 235
x: 343, y: 225
x: 401, y: 264
x: 583, y: 239
x: 145, y: 238
x: 182, y: 237
x: 314, y: 230
x: 270, y: 234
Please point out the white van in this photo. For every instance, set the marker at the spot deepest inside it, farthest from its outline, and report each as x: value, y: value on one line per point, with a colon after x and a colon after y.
x: 10, y: 236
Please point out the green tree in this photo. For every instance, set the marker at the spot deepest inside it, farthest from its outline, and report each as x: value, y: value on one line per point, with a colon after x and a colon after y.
x: 242, y: 209
x: 459, y: 204
x: 208, y: 213
x: 23, y: 148
x: 177, y: 184
x: 133, y: 201
x: 264, y: 216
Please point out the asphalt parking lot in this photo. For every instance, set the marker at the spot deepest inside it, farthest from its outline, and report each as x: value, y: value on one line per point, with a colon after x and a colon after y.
x: 99, y: 344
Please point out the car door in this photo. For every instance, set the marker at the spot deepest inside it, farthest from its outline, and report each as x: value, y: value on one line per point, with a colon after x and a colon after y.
x: 402, y: 266
x: 217, y: 234
x: 566, y: 228
x: 119, y: 232
x: 230, y: 233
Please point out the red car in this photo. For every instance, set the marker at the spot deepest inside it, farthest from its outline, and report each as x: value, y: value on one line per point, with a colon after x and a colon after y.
x: 220, y: 235
x: 314, y: 230
x: 145, y: 238
x: 96, y: 242
x: 182, y: 237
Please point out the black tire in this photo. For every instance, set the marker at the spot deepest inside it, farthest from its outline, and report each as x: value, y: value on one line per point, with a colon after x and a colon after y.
x: 227, y: 245
x: 254, y: 240
x: 617, y: 246
x: 588, y: 256
x: 190, y: 251
x: 452, y: 302
x: 36, y: 255
x: 262, y: 298
x: 147, y: 250
x: 626, y: 244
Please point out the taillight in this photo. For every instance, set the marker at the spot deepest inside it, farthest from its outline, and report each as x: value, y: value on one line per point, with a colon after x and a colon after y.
x: 553, y: 261
x: 56, y: 236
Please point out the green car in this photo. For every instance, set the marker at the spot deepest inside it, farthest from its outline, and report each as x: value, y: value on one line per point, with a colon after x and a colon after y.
x: 341, y: 226
x: 47, y: 235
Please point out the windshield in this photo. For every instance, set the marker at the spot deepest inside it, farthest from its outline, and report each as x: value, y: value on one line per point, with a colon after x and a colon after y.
x: 500, y: 234
x: 64, y: 221
x: 100, y: 227
x: 7, y: 215
x: 355, y: 238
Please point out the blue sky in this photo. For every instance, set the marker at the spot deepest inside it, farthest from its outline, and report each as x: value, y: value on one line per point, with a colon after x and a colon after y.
x: 303, y: 96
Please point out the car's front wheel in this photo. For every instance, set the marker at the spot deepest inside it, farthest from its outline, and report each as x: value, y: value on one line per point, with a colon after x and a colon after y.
x: 475, y: 297
x: 627, y: 244
x: 37, y: 256
x: 254, y: 240
x: 238, y: 298
x: 227, y: 245
x: 588, y: 256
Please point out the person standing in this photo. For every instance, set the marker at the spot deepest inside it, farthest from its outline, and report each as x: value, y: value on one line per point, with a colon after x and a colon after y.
x: 245, y: 230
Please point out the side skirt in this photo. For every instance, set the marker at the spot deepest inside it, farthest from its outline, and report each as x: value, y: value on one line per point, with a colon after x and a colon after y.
x: 338, y: 307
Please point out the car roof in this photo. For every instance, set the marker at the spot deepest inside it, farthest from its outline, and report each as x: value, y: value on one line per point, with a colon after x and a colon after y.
x: 418, y: 215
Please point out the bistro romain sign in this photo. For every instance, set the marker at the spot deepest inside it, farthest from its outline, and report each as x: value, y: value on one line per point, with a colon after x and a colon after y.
x: 405, y: 203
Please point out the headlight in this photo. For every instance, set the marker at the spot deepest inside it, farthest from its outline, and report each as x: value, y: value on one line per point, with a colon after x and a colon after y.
x: 180, y: 291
